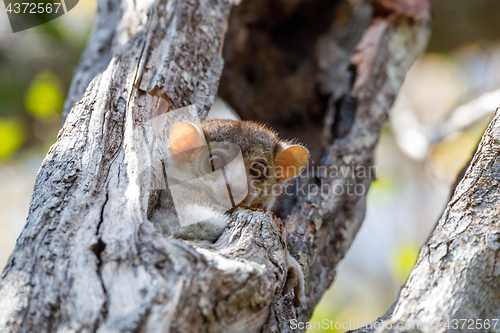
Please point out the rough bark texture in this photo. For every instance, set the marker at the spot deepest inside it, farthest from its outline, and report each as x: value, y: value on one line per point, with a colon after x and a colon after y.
x: 455, y: 282
x: 304, y: 88
x: 89, y: 260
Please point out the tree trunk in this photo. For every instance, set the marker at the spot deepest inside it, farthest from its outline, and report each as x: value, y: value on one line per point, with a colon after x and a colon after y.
x: 324, y: 71
x: 454, y: 285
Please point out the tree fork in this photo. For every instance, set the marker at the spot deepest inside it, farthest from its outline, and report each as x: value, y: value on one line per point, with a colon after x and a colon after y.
x: 89, y: 260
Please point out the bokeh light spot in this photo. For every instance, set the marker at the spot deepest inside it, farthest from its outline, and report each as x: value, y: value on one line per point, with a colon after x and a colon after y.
x: 12, y: 136
x: 405, y: 256
x: 44, y: 99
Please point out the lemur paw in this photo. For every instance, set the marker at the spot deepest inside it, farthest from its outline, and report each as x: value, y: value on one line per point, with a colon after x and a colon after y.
x: 295, y: 280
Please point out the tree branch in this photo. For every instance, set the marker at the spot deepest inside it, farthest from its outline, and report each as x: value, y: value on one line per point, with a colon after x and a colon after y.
x: 456, y: 273
x: 322, y: 227
x: 89, y: 259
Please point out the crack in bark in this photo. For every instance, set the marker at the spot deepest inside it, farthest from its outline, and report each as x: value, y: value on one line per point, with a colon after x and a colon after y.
x: 98, y: 249
x: 242, y: 272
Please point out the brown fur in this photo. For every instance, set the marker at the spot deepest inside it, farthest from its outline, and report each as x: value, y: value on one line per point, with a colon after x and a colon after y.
x: 201, y: 187
x: 256, y: 143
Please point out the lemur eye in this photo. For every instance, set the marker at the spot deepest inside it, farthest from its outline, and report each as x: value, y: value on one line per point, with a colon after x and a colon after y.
x: 259, y: 170
x: 213, y: 163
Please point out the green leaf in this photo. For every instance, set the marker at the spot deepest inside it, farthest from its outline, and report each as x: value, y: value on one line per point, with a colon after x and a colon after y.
x: 12, y: 136
x: 404, y: 259
x: 44, y: 99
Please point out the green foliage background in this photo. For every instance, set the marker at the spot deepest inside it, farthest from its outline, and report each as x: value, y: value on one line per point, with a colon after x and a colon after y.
x: 36, y: 68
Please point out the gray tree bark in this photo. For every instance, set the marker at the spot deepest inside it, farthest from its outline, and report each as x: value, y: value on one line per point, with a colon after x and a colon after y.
x: 325, y: 71
x: 454, y: 286
x: 455, y: 282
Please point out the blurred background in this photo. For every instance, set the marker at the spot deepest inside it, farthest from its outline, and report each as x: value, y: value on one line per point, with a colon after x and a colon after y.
x: 447, y: 100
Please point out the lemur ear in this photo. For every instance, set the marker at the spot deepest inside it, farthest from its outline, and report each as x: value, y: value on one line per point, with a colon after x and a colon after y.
x: 183, y: 140
x: 291, y: 161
